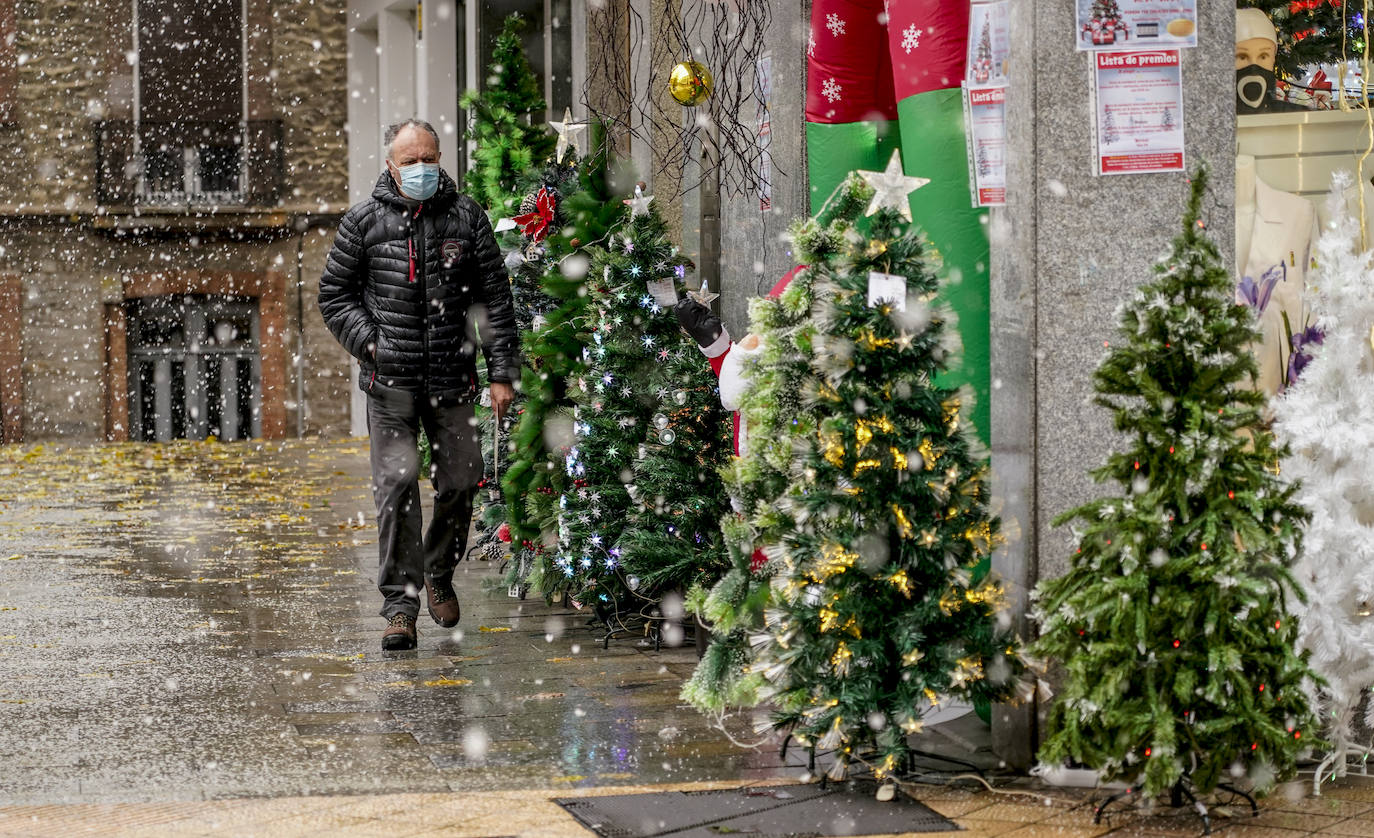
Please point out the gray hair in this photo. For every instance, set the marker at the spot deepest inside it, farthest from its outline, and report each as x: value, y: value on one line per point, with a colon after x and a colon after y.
x: 392, y: 130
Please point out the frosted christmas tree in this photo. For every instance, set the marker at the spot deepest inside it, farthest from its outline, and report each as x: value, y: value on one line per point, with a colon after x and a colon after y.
x: 880, y: 606
x: 1327, y: 417
x: 1171, y: 624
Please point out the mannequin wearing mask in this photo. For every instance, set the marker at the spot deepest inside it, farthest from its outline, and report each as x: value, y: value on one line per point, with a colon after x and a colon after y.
x: 1256, y: 48
x: 1274, y: 235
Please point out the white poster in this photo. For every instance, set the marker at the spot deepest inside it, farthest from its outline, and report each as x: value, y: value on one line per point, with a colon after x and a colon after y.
x: 1139, y: 112
x: 1136, y: 24
x: 989, y: 42
x: 985, y: 114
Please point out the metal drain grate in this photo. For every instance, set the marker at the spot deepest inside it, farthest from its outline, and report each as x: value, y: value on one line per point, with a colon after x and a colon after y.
x: 798, y: 811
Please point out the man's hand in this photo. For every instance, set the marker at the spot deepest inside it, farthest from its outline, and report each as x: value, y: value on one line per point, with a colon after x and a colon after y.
x: 502, y: 394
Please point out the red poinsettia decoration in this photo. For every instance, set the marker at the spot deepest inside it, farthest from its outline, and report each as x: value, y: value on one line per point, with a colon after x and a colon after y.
x: 535, y: 224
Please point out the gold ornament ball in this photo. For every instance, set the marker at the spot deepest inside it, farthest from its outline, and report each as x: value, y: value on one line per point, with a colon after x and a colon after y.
x: 690, y: 83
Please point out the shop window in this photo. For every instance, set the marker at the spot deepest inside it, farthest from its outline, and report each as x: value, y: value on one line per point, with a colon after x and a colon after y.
x: 547, y: 40
x: 190, y: 101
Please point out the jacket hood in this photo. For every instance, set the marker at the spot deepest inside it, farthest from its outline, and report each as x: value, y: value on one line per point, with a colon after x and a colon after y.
x: 386, y: 192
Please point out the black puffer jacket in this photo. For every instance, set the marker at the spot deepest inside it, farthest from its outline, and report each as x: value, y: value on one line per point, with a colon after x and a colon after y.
x: 409, y: 289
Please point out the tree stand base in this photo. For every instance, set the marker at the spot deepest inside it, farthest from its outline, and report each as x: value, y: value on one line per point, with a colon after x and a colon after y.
x: 1337, y: 763
x: 1177, y: 797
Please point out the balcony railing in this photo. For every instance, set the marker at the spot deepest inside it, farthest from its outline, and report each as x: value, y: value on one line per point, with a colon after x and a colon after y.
x: 189, y: 164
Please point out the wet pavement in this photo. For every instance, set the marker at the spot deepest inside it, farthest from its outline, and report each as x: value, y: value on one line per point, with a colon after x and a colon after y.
x: 198, y: 621
x: 189, y: 646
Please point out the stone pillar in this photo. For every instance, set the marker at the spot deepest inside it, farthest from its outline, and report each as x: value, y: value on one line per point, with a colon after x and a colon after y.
x: 1068, y: 248
x: 364, y: 117
x: 396, y: 65
x: 753, y: 252
x: 439, y: 71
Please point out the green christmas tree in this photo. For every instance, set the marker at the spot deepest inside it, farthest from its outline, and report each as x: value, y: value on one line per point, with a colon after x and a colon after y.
x: 1178, y: 652
x: 773, y: 411
x: 506, y: 125
x: 510, y: 139
x: 672, y: 538
x: 630, y: 426
x: 1312, y: 32
x: 553, y: 345
x: 880, y: 608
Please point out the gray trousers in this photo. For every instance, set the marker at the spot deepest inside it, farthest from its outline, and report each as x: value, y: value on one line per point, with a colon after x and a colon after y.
x: 393, y: 421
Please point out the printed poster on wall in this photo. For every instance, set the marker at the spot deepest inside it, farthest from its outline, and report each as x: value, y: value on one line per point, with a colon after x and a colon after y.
x: 989, y: 42
x: 1139, y: 112
x: 1136, y: 24
x: 985, y: 114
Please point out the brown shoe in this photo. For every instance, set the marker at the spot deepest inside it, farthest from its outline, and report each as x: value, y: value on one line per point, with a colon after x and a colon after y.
x: 400, y: 633
x: 443, y: 602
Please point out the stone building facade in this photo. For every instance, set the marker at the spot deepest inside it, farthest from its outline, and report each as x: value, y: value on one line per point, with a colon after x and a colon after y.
x: 170, y: 175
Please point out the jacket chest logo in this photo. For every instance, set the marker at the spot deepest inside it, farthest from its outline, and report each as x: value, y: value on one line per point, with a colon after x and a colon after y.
x: 451, y: 249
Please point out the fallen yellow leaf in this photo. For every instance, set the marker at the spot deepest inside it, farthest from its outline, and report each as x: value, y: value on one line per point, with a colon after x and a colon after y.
x: 493, y: 628
x: 557, y: 660
x: 16, y: 557
x: 447, y: 682
x: 571, y: 778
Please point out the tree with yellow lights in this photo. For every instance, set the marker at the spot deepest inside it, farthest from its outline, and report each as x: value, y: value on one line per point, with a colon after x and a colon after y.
x: 1180, y: 659
x: 879, y: 610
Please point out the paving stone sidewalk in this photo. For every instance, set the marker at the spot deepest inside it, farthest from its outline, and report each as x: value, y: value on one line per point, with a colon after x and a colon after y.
x: 189, y: 646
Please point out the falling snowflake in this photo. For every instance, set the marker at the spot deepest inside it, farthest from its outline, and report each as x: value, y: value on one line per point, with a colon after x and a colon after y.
x: 835, y: 24
x: 830, y: 90
x: 810, y: 44
x: 911, y: 38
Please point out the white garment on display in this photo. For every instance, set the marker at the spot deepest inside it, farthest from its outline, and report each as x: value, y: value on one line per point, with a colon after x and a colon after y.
x: 1274, y: 235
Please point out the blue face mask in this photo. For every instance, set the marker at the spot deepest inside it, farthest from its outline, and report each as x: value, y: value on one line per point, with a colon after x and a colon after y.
x: 419, y: 180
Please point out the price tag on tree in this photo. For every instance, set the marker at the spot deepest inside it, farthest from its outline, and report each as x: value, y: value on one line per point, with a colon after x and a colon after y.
x: 663, y: 292
x: 886, y: 288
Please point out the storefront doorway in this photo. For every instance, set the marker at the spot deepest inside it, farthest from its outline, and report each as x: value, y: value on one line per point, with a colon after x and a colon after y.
x: 195, y: 368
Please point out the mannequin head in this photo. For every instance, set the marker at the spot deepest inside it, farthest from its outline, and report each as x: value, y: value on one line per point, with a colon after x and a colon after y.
x: 1256, y: 39
x: 1256, y: 45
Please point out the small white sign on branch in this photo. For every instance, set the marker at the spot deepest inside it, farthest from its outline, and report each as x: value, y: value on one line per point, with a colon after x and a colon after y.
x: 886, y: 288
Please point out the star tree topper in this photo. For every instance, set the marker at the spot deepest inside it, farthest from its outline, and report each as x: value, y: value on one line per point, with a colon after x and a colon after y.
x: 570, y: 135
x: 639, y: 204
x: 891, y: 187
x: 703, y: 294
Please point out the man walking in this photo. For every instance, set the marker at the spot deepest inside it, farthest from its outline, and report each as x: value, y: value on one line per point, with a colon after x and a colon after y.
x: 413, y: 285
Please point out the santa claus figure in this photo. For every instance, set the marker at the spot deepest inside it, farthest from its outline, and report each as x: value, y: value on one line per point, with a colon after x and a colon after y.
x: 727, y: 359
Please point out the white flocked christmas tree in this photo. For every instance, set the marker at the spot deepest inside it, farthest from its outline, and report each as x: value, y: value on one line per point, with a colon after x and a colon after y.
x: 1327, y: 418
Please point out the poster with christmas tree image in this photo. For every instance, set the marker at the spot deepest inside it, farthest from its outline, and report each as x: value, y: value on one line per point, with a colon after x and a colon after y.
x: 989, y: 42
x: 1132, y: 92
x: 1135, y: 24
